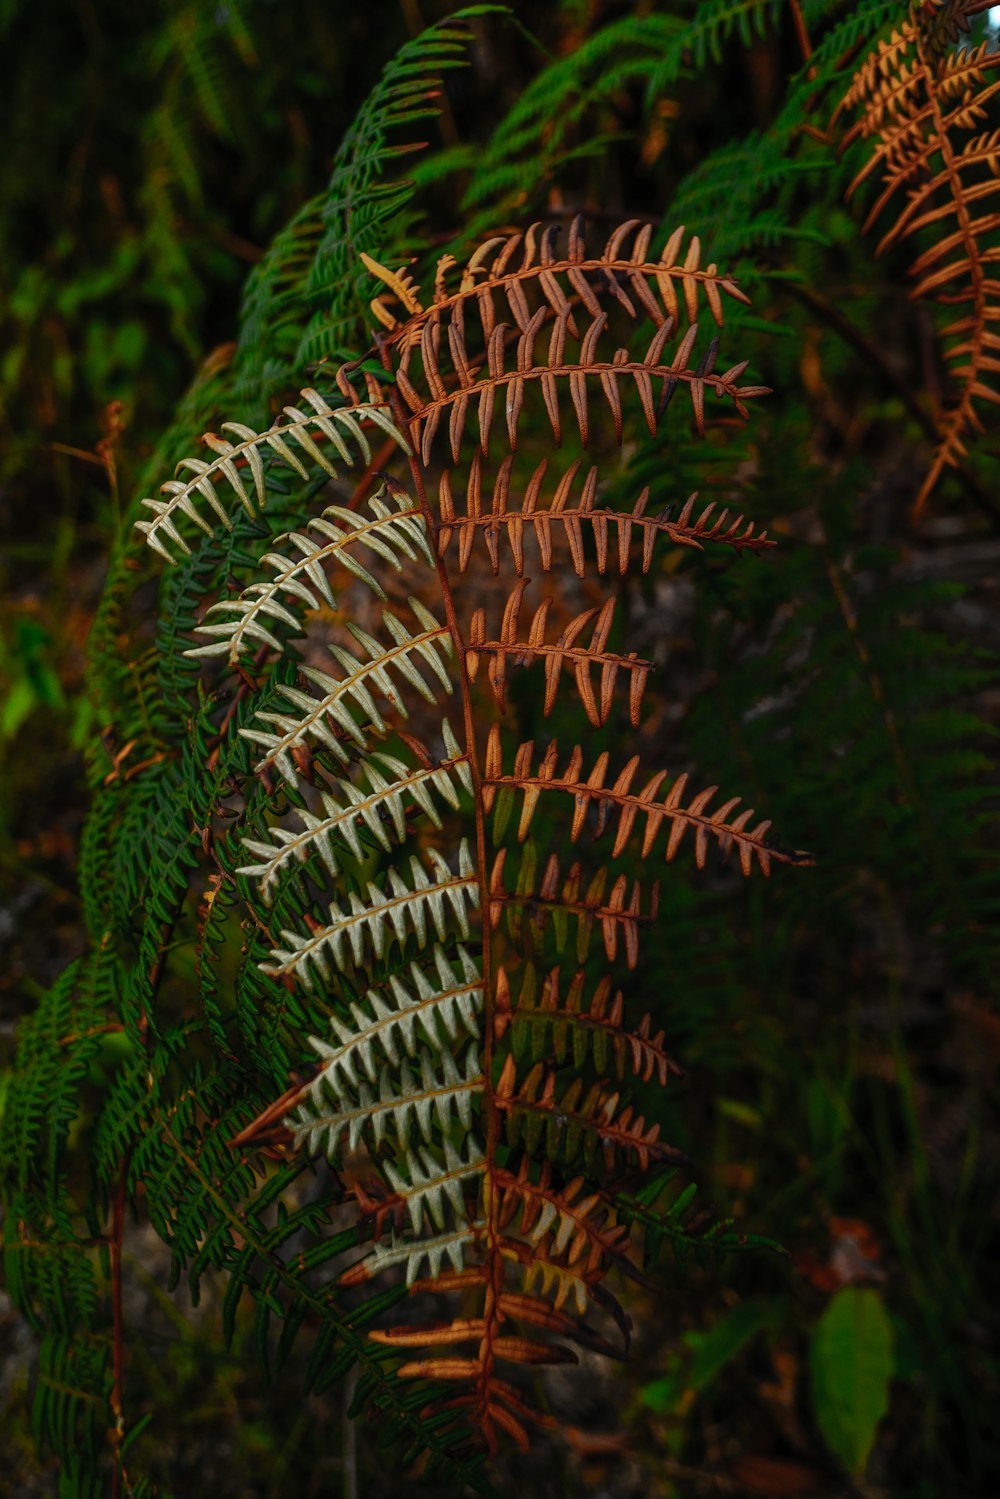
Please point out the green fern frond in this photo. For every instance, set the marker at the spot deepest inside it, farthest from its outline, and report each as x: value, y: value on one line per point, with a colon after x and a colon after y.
x: 704, y: 36
x: 538, y: 134
x: 363, y: 197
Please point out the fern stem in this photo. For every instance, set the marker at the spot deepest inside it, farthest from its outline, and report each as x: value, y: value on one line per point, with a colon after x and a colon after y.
x: 802, y: 35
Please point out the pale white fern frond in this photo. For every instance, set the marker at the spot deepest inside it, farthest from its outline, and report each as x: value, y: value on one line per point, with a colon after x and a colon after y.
x: 433, y: 1000
x: 348, y: 809
x: 451, y: 1246
x: 294, y: 443
x: 434, y: 892
x: 390, y: 533
x: 441, y: 1093
x: 427, y: 1188
x: 331, y: 719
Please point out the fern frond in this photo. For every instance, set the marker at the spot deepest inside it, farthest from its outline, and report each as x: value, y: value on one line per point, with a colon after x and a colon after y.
x: 333, y: 718
x: 442, y: 1091
x: 704, y: 36
x: 293, y: 443
x: 576, y: 1221
x: 642, y: 288
x: 507, y: 649
x: 553, y: 119
x: 553, y: 901
x: 429, y: 1062
x: 924, y: 106
x: 619, y: 801
x: 569, y: 1030
x: 491, y: 518
x: 576, y: 1122
x: 364, y: 195
x: 427, y: 1188
x: 388, y: 914
x: 380, y: 810
x: 451, y: 1246
x: 441, y: 1007
x: 394, y: 531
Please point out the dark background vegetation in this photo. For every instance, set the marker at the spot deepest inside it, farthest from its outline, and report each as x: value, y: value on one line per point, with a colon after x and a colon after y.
x: 836, y: 1024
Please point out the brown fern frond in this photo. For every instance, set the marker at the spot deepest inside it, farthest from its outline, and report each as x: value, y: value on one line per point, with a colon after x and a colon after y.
x: 453, y: 359
x: 576, y: 1123
x: 488, y: 1093
x: 508, y: 650
x: 947, y: 21
x: 491, y: 517
x: 619, y: 801
x: 552, y: 901
x: 565, y: 279
x: 568, y: 1028
x: 575, y: 1222
x: 511, y: 1306
x: 925, y: 106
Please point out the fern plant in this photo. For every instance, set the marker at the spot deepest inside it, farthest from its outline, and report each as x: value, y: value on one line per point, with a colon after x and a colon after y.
x: 466, y: 910
x: 376, y: 1022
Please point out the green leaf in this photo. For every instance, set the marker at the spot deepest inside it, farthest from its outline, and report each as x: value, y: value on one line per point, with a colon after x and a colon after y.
x: 852, y: 1364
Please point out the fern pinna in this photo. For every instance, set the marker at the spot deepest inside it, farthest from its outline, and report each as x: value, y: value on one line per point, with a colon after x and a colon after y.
x: 468, y: 892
